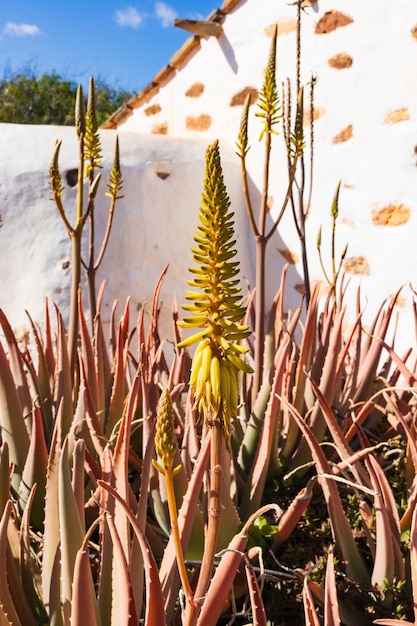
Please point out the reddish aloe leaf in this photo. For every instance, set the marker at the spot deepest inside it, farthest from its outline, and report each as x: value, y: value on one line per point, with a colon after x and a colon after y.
x: 12, y: 423
x: 260, y: 465
x: 342, y: 531
x: 84, y: 610
x: 118, y: 393
x: 258, y: 609
x: 6, y: 600
x: 120, y: 466
x: 4, y: 620
x: 29, y: 569
x: 388, y: 563
x: 16, y: 366
x: 122, y: 584
x: 87, y: 353
x: 292, y: 515
x: 310, y: 614
x: 64, y: 381
x: 70, y: 528
x: 328, y: 385
x: 44, y: 382
x: 331, y: 608
x: 102, y: 367
x: 105, y: 584
x: 51, y: 552
x: 34, y: 471
x: 413, y: 560
x: 368, y: 368
x: 225, y: 573
x: 307, y: 349
x: 4, y: 476
x: 154, y: 610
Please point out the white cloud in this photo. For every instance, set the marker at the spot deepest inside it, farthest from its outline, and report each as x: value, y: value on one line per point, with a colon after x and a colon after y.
x: 21, y: 30
x: 165, y: 14
x: 129, y: 17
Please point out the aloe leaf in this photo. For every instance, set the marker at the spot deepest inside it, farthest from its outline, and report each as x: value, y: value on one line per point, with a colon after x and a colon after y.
x: 105, y: 582
x: 331, y: 607
x: 64, y: 387
x: 413, y: 560
x: 51, y: 549
x: 328, y: 385
x: 16, y: 367
x: 30, y: 572
x: 4, y: 620
x: 311, y: 617
x: 118, y: 393
x: 6, y: 600
x: 12, y: 423
x: 84, y: 610
x: 122, y: 584
x: 222, y: 581
x: 70, y: 528
x: 292, y: 515
x: 154, y: 610
x: 342, y: 531
x: 368, y: 368
x: 4, y: 476
x: 258, y: 609
x: 87, y: 354
x: 44, y: 382
x: 34, y: 471
x: 255, y: 485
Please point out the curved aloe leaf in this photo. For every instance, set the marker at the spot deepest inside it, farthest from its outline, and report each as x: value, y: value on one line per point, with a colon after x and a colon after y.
x: 84, y: 610
x: 12, y: 423
x: 6, y: 600
x: 222, y: 581
x: 70, y: 529
x: 154, y: 610
x: 34, y: 471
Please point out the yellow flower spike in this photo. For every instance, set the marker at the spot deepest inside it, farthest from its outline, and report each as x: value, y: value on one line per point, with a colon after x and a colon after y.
x: 165, y: 445
x: 216, y: 307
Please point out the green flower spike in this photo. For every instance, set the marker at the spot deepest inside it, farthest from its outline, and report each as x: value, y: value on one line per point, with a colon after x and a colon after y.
x: 165, y: 445
x: 217, y: 305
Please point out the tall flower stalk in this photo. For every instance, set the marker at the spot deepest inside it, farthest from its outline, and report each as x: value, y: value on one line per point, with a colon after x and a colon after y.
x: 216, y: 309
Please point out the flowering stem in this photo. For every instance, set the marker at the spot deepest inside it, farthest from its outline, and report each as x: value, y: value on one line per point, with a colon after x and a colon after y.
x: 172, y: 507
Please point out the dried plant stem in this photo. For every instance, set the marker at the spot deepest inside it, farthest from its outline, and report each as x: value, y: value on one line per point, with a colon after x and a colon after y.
x: 213, y: 526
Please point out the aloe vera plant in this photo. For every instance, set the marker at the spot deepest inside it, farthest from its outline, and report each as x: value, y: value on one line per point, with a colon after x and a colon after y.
x: 129, y: 492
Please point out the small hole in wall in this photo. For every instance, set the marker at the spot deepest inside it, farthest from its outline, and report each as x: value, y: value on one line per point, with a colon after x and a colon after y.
x: 162, y: 175
x: 72, y: 177
x: 65, y: 265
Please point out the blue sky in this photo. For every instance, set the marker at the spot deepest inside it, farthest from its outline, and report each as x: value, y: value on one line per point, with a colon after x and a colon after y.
x: 123, y: 42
